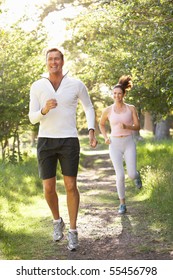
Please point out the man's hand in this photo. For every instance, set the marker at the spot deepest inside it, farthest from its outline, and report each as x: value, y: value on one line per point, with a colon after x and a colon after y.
x: 50, y: 104
x: 92, y: 139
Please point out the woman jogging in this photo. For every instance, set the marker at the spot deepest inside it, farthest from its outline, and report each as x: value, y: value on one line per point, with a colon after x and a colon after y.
x: 123, y: 119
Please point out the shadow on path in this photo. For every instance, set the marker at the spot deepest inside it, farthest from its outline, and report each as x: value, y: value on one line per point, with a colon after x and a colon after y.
x: 103, y: 234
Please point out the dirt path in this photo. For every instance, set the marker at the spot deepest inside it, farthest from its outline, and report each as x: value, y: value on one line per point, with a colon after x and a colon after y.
x: 105, y: 235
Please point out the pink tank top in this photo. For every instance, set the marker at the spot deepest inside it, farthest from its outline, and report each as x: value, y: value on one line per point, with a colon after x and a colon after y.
x: 116, y: 118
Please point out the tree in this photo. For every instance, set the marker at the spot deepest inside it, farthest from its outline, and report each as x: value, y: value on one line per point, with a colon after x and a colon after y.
x: 19, y: 66
x: 126, y: 37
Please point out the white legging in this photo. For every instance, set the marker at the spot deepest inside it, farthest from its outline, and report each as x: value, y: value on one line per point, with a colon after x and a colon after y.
x: 120, y: 149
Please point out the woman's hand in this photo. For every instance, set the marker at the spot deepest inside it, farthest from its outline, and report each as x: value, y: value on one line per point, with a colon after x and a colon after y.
x: 107, y: 140
x: 123, y: 126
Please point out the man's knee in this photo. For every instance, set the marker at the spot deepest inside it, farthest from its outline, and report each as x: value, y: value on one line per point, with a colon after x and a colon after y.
x: 49, y: 186
x: 70, y: 184
x: 71, y: 188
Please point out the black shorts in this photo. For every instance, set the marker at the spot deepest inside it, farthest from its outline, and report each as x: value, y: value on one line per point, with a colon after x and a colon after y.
x: 50, y: 150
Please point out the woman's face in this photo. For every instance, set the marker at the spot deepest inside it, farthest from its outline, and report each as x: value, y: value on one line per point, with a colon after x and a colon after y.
x: 118, y: 94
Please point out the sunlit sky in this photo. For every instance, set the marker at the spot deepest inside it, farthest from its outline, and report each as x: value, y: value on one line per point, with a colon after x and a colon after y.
x: 54, y: 22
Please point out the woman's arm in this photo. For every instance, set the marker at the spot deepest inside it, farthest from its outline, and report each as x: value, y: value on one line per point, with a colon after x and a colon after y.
x: 103, y: 119
x: 136, y: 123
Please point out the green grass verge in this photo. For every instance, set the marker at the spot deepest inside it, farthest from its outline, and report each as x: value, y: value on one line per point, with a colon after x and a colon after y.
x: 25, y: 218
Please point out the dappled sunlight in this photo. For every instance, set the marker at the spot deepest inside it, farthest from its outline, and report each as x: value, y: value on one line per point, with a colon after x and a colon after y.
x: 94, y: 152
x: 96, y: 196
x: 30, y: 233
x: 95, y: 55
x: 26, y: 226
x: 25, y: 215
x: 146, y: 134
x: 21, y: 189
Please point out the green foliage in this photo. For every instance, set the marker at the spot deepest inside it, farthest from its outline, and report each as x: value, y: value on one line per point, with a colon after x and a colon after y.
x: 24, y: 214
x: 19, y: 66
x: 126, y: 37
x: 154, y: 159
x: 21, y: 208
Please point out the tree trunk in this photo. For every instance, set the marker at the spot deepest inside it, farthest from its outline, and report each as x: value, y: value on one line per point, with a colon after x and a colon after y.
x: 162, y: 130
x: 148, y: 124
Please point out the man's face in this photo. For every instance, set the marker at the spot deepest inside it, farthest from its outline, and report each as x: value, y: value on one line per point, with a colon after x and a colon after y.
x: 54, y: 62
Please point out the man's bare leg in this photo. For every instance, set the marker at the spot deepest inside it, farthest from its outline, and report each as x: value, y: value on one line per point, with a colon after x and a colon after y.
x: 73, y: 206
x: 51, y: 196
x: 52, y: 200
x: 73, y: 199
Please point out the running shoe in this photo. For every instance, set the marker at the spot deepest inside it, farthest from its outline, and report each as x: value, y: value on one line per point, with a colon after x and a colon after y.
x: 72, y: 241
x: 122, y: 209
x: 58, y: 230
x: 138, y: 181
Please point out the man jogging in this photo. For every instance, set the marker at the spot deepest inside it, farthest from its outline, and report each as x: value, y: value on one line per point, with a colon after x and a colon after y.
x: 53, y: 104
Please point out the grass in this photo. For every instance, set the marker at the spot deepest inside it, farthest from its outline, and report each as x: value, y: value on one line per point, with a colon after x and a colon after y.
x: 155, y: 161
x: 24, y: 214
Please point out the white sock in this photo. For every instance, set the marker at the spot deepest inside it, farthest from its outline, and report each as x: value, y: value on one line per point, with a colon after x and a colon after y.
x: 57, y: 221
x: 72, y: 230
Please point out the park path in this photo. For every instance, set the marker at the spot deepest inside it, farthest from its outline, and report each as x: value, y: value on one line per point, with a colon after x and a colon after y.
x: 103, y: 234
